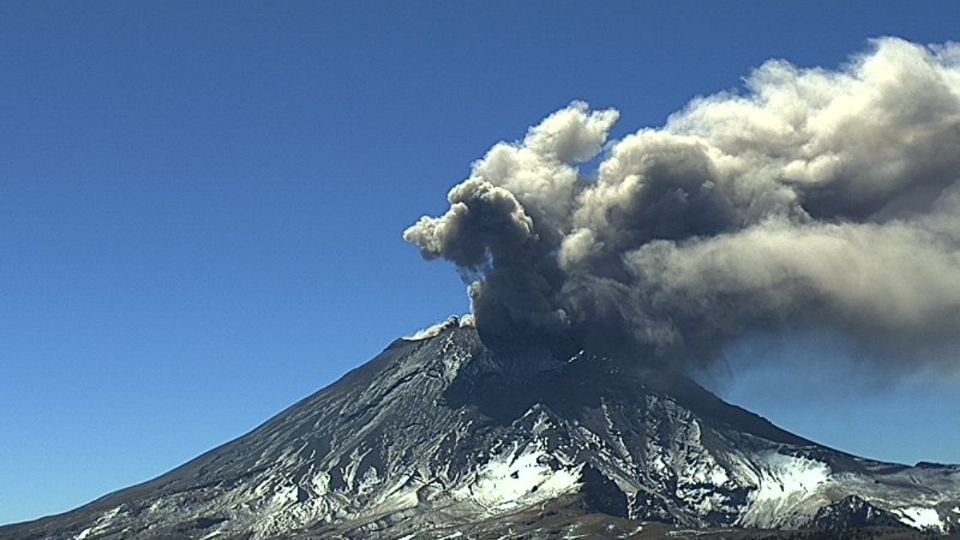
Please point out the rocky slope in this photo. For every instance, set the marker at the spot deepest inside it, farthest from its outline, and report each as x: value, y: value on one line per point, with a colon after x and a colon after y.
x: 440, y: 436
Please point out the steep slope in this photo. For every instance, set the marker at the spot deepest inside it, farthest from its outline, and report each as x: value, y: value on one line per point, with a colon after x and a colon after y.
x: 442, y: 434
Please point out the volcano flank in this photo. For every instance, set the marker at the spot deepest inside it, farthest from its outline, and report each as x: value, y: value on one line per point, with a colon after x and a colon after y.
x: 441, y: 436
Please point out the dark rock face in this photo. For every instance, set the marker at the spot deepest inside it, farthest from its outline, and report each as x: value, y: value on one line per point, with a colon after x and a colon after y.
x: 443, y: 435
x: 601, y: 494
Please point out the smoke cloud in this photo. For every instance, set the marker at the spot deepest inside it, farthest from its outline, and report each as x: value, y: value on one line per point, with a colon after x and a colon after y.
x: 812, y: 198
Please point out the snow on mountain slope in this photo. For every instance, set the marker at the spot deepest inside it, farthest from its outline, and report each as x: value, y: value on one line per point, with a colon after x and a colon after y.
x: 442, y: 434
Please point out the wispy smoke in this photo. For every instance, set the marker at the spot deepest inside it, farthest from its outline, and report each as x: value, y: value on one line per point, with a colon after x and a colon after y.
x: 815, y: 197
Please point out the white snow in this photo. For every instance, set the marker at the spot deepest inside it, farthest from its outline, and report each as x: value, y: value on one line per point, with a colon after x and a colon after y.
x: 785, y: 484
x: 283, y: 496
x: 518, y: 478
x: 920, y: 518
x: 101, y: 524
x: 790, y: 475
x: 350, y: 470
x: 320, y: 482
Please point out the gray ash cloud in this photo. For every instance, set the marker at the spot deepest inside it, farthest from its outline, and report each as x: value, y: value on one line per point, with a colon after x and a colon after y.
x: 813, y: 197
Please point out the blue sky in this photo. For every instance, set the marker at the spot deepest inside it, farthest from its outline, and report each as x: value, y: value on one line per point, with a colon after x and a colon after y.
x: 201, y: 206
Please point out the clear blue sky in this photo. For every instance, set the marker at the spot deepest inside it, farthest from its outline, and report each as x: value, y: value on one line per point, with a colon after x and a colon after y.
x: 201, y: 205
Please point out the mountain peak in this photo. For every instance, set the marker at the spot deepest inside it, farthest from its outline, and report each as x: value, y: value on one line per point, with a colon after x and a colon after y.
x: 452, y: 322
x: 442, y: 433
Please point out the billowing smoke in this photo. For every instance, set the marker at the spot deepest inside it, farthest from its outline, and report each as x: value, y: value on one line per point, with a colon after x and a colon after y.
x: 815, y: 197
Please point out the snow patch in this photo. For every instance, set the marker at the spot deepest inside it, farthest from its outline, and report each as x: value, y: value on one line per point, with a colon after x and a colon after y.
x: 785, y: 486
x: 920, y: 518
x: 102, y: 523
x: 519, y: 478
x: 785, y: 476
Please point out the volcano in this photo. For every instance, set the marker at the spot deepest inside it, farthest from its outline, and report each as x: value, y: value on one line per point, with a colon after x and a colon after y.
x: 442, y: 437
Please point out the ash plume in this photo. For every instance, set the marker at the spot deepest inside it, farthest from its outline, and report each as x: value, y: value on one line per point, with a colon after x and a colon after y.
x: 813, y: 197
